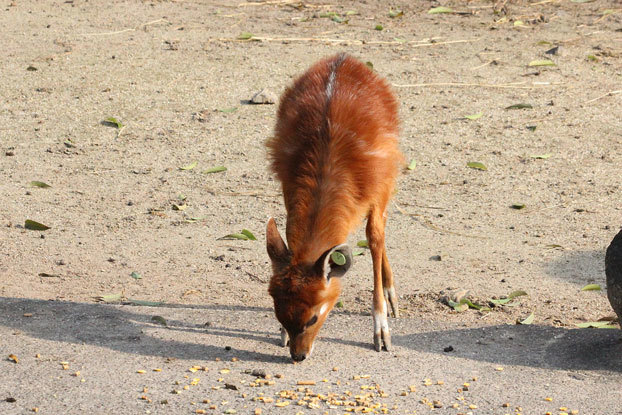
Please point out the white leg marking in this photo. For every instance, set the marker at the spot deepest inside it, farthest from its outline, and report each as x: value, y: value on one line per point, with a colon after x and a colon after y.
x: 283, y: 337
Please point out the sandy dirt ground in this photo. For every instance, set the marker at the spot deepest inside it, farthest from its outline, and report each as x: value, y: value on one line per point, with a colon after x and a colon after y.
x: 135, y: 218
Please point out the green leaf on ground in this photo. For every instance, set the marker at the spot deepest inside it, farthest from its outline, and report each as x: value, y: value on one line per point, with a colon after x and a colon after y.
x: 476, y: 165
x: 369, y: 65
x: 248, y: 234
x: 217, y: 169
x: 159, y: 320
x: 395, y: 13
x: 517, y: 206
x: 542, y: 62
x: 113, y: 122
x: 527, y: 320
x: 591, y: 287
x: 378, y: 27
x: 412, y: 165
x: 520, y: 106
x: 189, y: 166
x: 510, y: 297
x: 338, y: 258
x: 339, y: 304
x: 358, y: 253
x: 597, y: 325
x: 35, y: 226
x: 458, y: 306
x: 136, y: 275
x: 244, y: 235
x: 145, y: 303
x: 39, y: 184
x: 227, y: 110
x: 245, y: 36
x: 474, y: 116
x: 109, y: 298
x: 439, y: 10
x: 362, y: 243
x: 540, y: 156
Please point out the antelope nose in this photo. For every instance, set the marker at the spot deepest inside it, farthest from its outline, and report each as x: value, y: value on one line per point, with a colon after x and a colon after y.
x: 299, y: 357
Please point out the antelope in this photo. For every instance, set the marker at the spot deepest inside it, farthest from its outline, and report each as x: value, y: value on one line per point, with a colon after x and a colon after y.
x: 335, y: 152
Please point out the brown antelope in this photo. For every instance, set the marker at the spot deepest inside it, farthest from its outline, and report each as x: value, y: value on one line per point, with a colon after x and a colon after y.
x: 336, y: 154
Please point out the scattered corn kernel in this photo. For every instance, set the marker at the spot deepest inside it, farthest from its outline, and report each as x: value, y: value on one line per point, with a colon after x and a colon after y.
x: 548, y: 399
x: 305, y: 382
x: 472, y: 406
x: 563, y: 408
x: 157, y: 370
x: 440, y: 382
x: 281, y: 404
x: 200, y: 411
x: 224, y: 371
x: 499, y: 369
x: 141, y: 371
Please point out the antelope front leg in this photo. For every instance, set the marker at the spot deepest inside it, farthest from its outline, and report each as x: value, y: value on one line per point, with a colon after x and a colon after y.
x: 375, y: 238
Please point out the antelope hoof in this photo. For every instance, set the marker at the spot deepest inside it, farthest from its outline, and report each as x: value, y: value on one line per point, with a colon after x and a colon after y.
x: 382, y: 335
x: 391, y: 298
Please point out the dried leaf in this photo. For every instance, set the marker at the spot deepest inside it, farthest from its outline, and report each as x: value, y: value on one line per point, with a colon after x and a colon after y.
x: 35, y: 226
x: 476, y: 165
x: 517, y: 206
x: 13, y: 358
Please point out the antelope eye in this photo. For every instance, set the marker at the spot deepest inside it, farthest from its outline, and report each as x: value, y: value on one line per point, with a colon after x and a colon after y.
x: 311, y: 322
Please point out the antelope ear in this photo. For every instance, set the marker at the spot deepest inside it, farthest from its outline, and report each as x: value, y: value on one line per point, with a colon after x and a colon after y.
x: 277, y: 250
x: 329, y: 268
